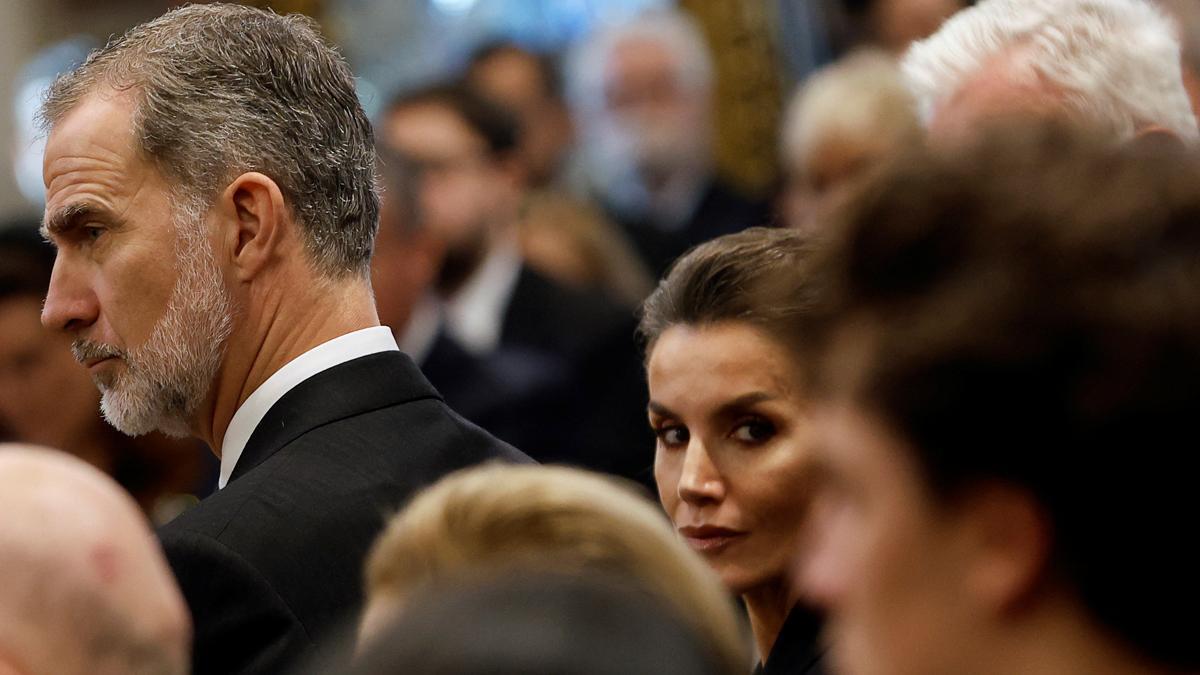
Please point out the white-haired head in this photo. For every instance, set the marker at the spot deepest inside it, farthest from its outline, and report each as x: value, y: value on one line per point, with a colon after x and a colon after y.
x: 678, y: 33
x: 1113, y: 64
x: 641, y: 96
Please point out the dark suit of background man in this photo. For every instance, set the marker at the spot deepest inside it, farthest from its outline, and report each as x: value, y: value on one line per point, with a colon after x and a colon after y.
x: 210, y: 189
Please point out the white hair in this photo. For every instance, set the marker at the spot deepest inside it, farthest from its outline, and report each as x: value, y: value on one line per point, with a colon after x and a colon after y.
x: 861, y: 96
x: 1118, y: 60
x: 674, y: 30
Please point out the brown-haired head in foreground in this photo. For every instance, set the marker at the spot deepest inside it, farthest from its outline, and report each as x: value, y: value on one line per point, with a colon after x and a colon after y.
x: 221, y: 90
x: 1027, y: 314
x: 491, y: 520
x: 758, y: 276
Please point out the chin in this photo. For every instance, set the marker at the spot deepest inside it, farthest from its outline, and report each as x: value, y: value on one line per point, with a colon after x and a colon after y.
x: 739, y: 581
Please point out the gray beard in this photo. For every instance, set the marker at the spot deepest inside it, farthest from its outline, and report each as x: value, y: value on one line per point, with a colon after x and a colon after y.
x: 166, y: 379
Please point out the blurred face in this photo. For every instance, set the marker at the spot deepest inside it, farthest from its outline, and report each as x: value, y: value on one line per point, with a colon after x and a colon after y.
x: 464, y: 194
x: 135, y: 283
x: 460, y: 185
x: 829, y: 177
x: 887, y: 565
x: 733, y: 448
x: 665, y: 124
x: 513, y: 79
x: 39, y: 380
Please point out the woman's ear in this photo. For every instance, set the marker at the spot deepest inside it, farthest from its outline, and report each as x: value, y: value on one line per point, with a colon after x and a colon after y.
x: 253, y: 224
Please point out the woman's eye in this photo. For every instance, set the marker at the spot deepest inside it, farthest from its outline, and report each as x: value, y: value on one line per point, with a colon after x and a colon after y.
x: 754, y: 431
x: 672, y: 436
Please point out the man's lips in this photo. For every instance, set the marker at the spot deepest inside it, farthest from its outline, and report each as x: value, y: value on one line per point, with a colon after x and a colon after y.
x: 95, y: 361
x: 709, y: 538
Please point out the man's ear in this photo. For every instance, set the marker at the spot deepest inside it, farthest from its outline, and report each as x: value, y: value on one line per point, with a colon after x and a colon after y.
x: 1011, y: 540
x: 256, y: 223
x: 1155, y: 138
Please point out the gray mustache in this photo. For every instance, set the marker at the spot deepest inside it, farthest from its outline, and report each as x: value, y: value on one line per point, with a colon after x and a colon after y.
x: 84, y: 350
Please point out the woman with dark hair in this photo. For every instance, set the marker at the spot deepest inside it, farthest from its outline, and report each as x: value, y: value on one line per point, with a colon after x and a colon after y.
x: 723, y: 332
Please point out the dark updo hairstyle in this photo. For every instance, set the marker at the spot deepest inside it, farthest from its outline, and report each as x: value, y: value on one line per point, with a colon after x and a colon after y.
x: 760, y: 276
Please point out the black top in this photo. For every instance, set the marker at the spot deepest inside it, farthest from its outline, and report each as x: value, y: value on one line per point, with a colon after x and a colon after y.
x: 721, y: 210
x: 274, y: 561
x: 797, y: 650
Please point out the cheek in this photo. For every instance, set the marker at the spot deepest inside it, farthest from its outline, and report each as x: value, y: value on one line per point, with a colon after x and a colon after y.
x: 666, y: 479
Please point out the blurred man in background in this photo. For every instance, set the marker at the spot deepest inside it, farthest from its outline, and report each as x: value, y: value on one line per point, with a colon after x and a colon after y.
x: 641, y: 94
x: 529, y: 86
x: 1009, y: 409
x: 568, y: 349
x: 564, y: 237
x: 404, y: 269
x: 1113, y: 65
x: 85, y: 588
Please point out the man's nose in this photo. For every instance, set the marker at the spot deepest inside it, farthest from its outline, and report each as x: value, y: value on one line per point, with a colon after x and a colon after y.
x: 70, y: 302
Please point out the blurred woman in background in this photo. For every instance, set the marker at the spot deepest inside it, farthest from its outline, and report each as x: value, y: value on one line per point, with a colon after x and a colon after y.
x: 732, y: 422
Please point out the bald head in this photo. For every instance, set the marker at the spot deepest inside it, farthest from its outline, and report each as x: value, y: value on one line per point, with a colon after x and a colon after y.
x: 85, y: 587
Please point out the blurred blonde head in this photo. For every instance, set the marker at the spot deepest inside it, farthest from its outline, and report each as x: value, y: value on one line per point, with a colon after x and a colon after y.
x: 844, y: 121
x: 489, y: 520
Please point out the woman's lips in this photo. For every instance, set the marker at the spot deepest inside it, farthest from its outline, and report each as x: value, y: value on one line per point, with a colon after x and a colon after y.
x: 709, y: 538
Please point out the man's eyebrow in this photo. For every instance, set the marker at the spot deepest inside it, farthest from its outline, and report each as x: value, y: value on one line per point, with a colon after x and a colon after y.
x: 71, y: 216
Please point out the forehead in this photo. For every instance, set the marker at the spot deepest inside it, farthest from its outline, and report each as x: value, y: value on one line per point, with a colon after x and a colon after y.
x: 91, y: 149
x: 430, y: 127
x: 726, y: 359
x: 636, y: 59
x: 511, y: 75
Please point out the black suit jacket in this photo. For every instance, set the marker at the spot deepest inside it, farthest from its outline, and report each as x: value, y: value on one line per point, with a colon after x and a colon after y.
x: 589, y: 407
x: 721, y: 210
x: 273, y: 562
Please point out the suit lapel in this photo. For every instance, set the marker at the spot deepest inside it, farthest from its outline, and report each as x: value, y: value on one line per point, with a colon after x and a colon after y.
x: 361, y: 385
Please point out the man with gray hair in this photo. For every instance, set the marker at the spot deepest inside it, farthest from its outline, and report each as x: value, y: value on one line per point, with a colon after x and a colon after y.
x: 210, y: 189
x: 1111, y: 65
x: 84, y: 588
x: 641, y: 94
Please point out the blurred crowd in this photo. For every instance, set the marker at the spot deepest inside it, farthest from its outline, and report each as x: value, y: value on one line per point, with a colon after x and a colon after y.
x: 513, y: 379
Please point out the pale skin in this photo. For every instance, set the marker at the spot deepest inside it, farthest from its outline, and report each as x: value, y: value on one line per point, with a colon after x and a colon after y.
x: 732, y: 459
x: 108, y: 211
x: 1008, y: 88
x: 77, y: 549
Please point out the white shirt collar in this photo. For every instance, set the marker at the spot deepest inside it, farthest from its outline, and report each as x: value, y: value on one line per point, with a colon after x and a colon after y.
x: 322, y: 357
x: 475, y: 315
x: 422, y: 329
